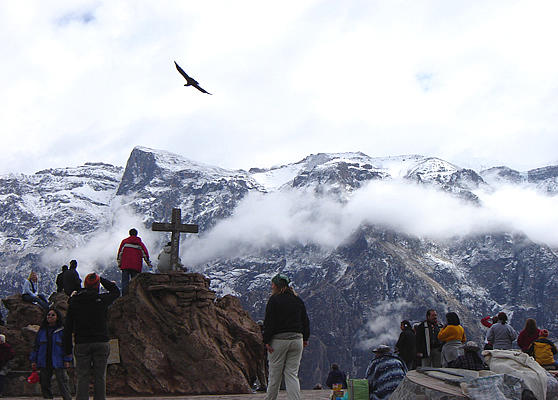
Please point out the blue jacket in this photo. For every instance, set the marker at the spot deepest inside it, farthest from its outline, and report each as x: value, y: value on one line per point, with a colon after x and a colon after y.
x: 38, y: 354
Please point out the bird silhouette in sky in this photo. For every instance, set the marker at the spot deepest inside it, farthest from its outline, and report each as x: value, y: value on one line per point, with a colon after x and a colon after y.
x: 190, y: 81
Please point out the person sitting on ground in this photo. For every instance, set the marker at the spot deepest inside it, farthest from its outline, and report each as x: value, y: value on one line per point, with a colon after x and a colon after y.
x: 336, y: 376
x: 453, y: 334
x: 60, y: 279
x: 543, y: 351
x: 470, y: 359
x: 30, y: 292
x: 72, y: 281
x: 528, y: 335
x: 501, y: 335
x: 385, y: 373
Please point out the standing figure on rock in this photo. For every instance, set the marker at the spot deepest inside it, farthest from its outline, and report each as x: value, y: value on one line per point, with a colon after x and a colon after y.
x: 30, y: 292
x: 48, y: 355
x: 72, y: 281
x: 286, y: 333
x: 60, y: 279
x: 428, y: 345
x: 453, y: 336
x: 501, y: 335
x: 86, y: 319
x: 131, y: 254
x: 7, y: 356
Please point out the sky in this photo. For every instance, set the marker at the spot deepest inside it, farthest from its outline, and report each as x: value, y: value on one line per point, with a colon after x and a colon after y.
x: 473, y: 83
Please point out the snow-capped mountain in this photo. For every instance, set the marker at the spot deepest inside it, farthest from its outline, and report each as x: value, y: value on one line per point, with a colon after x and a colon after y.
x: 368, y: 241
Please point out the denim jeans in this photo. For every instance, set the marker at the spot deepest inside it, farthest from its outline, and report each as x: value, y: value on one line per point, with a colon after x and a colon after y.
x: 127, y: 275
x: 41, y: 300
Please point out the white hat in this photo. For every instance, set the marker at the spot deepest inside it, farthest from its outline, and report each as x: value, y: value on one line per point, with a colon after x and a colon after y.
x: 382, y: 349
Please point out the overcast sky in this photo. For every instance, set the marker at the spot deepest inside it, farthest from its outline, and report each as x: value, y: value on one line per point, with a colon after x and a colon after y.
x: 470, y: 82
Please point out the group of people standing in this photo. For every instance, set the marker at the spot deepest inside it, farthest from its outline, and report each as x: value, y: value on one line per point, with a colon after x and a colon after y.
x: 83, y: 337
x: 86, y: 326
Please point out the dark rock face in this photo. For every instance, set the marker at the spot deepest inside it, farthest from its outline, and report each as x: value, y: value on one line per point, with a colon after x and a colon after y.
x: 175, y: 337
x: 208, y: 194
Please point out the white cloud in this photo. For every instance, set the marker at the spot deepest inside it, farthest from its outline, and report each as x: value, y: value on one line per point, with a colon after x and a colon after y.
x: 265, y: 220
x: 89, y: 80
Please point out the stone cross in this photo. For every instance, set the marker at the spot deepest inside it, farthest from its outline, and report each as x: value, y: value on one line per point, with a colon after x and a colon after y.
x: 175, y: 227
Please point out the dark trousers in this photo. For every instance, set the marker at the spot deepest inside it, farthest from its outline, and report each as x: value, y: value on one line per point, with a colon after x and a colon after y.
x: 127, y: 275
x: 62, y: 379
x: 91, y: 357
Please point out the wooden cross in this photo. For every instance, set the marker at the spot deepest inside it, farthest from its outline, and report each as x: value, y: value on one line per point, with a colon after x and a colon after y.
x: 175, y: 227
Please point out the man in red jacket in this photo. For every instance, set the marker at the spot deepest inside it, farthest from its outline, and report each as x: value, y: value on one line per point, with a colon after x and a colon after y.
x: 131, y: 254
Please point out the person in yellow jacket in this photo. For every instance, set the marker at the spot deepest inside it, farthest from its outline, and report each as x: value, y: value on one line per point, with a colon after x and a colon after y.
x: 453, y: 334
x: 543, y: 350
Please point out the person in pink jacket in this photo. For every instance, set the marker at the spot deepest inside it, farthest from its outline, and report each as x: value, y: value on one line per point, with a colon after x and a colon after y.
x: 131, y: 254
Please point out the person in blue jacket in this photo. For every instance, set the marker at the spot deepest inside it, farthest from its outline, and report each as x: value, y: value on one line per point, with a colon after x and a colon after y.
x: 48, y: 355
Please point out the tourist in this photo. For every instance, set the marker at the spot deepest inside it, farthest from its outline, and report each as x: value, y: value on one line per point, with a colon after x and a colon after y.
x: 164, y: 257
x: 528, y: 335
x: 336, y: 376
x: 72, y: 281
x: 470, y: 359
x: 543, y: 351
x: 385, y: 373
x: 60, y: 279
x: 406, y: 344
x: 131, y: 254
x: 501, y: 335
x: 86, y: 319
x: 453, y: 336
x: 7, y: 356
x: 427, y: 343
x: 286, y: 333
x: 48, y: 355
x: 30, y: 292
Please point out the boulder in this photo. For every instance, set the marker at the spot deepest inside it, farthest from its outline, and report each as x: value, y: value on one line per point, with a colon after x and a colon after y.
x: 175, y: 337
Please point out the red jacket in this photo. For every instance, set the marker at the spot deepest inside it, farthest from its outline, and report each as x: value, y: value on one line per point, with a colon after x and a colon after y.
x: 131, y: 253
x: 524, y: 339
